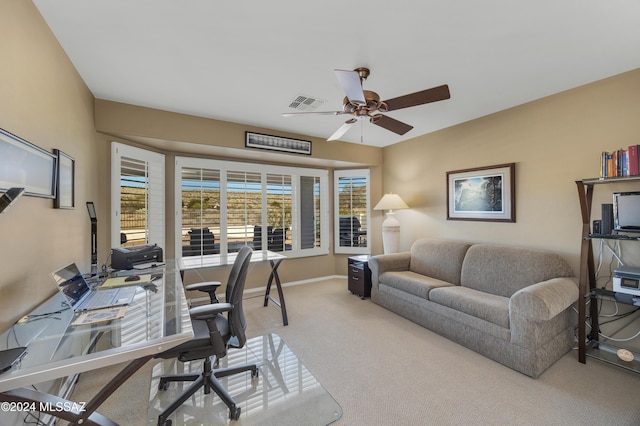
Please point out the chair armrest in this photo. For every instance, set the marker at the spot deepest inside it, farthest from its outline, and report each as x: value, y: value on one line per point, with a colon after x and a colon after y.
x: 205, y: 286
x: 205, y: 312
x: 544, y: 300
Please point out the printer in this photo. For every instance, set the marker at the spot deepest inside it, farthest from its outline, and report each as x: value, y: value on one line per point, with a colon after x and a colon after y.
x: 136, y: 257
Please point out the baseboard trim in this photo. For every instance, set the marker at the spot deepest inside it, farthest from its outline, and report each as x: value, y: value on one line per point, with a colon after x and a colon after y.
x: 293, y: 283
x: 251, y: 292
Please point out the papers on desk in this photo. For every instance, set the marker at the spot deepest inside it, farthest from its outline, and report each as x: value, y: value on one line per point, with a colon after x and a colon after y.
x: 100, y: 315
x: 122, y: 281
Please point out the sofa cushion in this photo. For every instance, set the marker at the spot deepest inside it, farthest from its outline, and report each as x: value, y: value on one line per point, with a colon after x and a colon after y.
x: 438, y: 259
x: 416, y: 284
x: 504, y: 270
x: 488, y: 307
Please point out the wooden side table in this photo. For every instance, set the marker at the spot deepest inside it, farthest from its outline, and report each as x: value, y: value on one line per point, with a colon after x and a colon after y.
x: 359, y: 275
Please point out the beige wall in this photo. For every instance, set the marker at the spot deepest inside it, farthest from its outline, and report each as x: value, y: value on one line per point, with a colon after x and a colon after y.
x: 553, y: 141
x: 44, y: 101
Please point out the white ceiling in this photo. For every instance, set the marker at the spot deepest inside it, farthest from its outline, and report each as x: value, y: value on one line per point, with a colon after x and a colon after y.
x: 245, y: 62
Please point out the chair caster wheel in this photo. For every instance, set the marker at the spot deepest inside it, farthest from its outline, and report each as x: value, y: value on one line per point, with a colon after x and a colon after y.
x: 255, y: 374
x: 163, y: 386
x: 234, y: 414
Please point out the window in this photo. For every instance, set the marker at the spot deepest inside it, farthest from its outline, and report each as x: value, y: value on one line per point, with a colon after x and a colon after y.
x: 279, y: 212
x: 200, y: 207
x: 225, y: 205
x: 137, y: 178
x: 244, y: 208
x: 351, y: 221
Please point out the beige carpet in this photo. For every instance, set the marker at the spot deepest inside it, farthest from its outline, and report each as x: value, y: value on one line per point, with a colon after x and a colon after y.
x: 385, y: 370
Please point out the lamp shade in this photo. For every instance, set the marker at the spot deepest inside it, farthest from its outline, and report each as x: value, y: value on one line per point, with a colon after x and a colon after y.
x: 391, y: 202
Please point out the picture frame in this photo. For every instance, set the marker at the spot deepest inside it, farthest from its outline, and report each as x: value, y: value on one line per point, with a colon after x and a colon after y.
x: 277, y: 143
x: 65, y: 181
x: 482, y: 194
x: 25, y: 165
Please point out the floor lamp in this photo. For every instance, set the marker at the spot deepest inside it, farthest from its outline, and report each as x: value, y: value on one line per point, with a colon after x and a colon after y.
x: 391, y: 226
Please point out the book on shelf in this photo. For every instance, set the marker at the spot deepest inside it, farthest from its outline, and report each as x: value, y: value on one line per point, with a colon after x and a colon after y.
x: 622, y: 162
x: 634, y: 161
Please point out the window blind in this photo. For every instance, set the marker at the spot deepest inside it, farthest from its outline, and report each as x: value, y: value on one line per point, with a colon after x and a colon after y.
x: 352, y: 212
x: 138, y: 196
x: 244, y: 207
x: 265, y: 207
x: 200, y: 211
x: 279, y: 203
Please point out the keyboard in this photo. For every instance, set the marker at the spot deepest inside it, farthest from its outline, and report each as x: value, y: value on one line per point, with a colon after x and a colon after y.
x: 99, y: 299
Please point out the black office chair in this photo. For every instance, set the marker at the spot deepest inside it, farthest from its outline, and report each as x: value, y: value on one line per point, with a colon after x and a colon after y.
x: 213, y: 334
x: 350, y: 232
x: 210, y: 287
x: 277, y: 239
x: 202, y: 241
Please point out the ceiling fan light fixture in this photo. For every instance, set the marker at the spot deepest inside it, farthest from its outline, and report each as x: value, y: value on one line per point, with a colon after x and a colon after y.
x: 365, y: 103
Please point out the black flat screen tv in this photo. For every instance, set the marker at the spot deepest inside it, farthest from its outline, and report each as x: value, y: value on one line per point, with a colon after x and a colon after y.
x: 626, y: 211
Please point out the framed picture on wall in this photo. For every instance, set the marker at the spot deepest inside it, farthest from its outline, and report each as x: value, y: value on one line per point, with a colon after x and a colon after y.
x: 483, y: 193
x: 24, y: 165
x: 65, y: 181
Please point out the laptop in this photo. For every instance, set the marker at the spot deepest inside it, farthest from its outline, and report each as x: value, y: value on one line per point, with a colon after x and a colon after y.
x: 81, y: 297
x: 10, y: 357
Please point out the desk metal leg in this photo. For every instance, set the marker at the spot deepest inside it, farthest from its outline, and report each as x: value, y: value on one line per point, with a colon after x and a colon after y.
x: 274, y: 275
x: 74, y: 412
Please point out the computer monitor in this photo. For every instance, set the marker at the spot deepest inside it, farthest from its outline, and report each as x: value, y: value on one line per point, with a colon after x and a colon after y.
x: 626, y: 211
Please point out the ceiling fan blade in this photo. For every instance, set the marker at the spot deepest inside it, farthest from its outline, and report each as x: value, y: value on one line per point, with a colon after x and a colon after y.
x: 291, y: 114
x: 391, y: 124
x: 350, y: 82
x: 434, y: 94
x: 342, y: 130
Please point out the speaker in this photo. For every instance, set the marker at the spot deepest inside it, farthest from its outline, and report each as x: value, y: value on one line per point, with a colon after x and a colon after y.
x: 597, y: 227
x: 606, y: 227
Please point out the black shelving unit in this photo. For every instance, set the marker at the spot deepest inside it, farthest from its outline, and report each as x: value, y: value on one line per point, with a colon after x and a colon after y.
x: 587, y: 281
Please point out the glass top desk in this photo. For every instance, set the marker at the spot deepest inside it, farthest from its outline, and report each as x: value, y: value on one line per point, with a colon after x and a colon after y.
x: 215, y: 260
x: 156, y: 320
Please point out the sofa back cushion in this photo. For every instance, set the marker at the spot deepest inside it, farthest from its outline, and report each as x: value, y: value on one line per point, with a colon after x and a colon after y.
x: 438, y: 259
x: 503, y: 270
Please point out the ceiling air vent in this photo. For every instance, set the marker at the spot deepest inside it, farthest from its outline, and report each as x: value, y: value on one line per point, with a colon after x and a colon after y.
x: 306, y: 103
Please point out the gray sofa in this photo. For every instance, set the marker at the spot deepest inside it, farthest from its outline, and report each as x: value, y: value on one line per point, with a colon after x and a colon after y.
x: 510, y: 304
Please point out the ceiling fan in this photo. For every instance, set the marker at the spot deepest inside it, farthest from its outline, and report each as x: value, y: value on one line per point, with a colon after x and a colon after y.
x: 367, y: 104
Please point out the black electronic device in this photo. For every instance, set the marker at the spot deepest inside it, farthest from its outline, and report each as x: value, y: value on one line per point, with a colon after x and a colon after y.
x: 597, y: 226
x: 9, y: 197
x: 132, y: 278
x: 626, y: 211
x: 141, y: 256
x: 10, y: 357
x: 606, y: 226
x: 627, y: 280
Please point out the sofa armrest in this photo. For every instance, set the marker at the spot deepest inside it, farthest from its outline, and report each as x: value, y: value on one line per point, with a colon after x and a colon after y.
x: 544, y: 300
x: 388, y: 262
